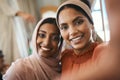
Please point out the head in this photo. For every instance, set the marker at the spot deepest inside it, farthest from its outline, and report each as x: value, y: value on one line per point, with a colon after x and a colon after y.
x: 75, y: 23
x: 1, y: 60
x: 47, y: 41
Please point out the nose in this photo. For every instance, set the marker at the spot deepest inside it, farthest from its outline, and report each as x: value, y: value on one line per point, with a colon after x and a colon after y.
x: 73, y: 30
x: 47, y: 41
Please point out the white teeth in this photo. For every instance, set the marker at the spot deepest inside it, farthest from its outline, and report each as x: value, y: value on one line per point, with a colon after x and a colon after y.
x: 77, y: 38
x: 46, y: 49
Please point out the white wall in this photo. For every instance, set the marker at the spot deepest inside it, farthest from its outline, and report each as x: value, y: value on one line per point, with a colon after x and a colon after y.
x: 48, y: 2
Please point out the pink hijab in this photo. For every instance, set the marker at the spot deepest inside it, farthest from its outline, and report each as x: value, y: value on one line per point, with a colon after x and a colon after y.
x: 34, y: 67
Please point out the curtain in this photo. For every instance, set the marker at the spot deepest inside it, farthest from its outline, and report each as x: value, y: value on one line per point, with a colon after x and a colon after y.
x: 23, y: 30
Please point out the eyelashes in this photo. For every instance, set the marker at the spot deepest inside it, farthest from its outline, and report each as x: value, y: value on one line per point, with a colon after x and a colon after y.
x: 53, y: 37
x: 64, y: 27
x: 77, y: 23
x: 41, y: 35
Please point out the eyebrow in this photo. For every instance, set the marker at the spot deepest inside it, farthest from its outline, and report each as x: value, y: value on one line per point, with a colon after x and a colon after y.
x: 41, y: 31
x: 62, y: 24
x: 79, y: 17
x: 54, y: 33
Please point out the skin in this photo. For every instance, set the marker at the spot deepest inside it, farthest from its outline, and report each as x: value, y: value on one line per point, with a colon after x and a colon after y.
x: 47, y: 40
x: 107, y: 66
x: 75, y: 29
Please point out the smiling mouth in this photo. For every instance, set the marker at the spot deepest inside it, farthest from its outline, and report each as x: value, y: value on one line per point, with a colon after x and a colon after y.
x: 45, y: 49
x: 77, y: 39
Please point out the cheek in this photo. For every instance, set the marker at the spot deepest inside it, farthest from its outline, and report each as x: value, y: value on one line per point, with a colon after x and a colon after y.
x: 88, y: 33
x: 38, y: 40
x: 55, y: 48
x: 55, y: 45
x: 85, y: 28
x: 64, y: 34
x: 88, y: 28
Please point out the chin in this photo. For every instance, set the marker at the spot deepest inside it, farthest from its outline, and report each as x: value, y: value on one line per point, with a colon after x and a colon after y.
x: 43, y: 55
x: 78, y: 46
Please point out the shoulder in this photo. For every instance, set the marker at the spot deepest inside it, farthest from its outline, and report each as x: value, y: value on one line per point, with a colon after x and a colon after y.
x: 23, y: 65
x: 66, y: 52
x: 17, y: 70
x: 100, y: 47
x: 98, y: 50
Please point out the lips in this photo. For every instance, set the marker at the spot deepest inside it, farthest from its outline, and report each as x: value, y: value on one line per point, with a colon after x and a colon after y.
x: 77, y: 39
x: 45, y: 49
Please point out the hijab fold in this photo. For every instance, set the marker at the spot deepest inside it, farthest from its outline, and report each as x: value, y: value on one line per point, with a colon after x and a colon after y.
x: 47, y: 68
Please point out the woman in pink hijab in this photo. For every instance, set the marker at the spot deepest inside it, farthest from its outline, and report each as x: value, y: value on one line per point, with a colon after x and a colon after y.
x: 43, y: 64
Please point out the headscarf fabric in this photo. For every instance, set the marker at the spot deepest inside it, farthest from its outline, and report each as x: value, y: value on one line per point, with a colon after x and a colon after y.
x: 35, y: 66
x: 84, y: 7
x: 47, y: 68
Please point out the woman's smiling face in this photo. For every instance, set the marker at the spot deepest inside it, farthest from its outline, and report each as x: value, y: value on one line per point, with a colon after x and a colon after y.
x: 47, y: 40
x: 75, y: 28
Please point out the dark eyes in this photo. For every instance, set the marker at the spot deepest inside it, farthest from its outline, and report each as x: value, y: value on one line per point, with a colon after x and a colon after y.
x: 63, y: 27
x: 75, y: 23
x: 78, y: 22
x: 41, y: 35
x: 53, y: 37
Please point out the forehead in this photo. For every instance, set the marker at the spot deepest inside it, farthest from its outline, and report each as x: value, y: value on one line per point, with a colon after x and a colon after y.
x: 69, y: 14
x: 49, y: 28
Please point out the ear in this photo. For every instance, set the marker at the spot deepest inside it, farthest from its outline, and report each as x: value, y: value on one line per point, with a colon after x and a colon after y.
x: 96, y: 37
x: 92, y: 26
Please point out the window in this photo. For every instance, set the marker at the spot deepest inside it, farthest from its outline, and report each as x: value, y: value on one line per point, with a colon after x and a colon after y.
x: 100, y: 20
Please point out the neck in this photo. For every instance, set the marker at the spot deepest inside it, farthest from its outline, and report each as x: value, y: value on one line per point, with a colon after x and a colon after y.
x: 82, y: 50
